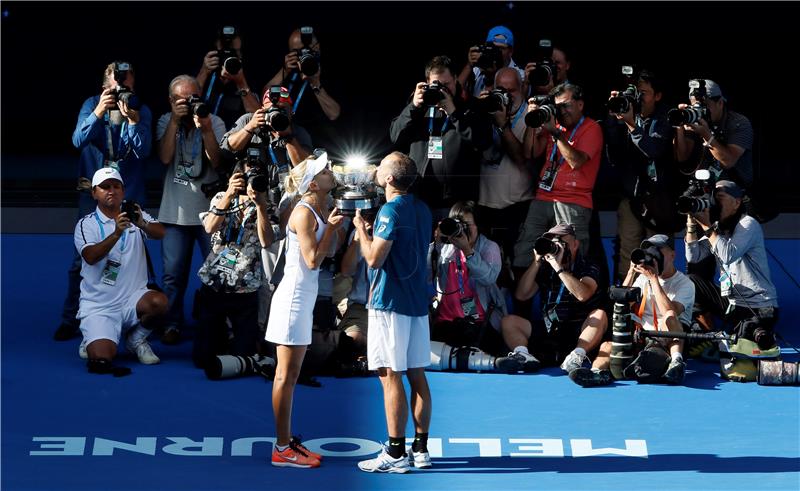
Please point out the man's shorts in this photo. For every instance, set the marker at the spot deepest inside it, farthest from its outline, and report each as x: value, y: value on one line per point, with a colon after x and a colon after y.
x: 398, y: 341
x: 356, y: 319
x: 108, y: 323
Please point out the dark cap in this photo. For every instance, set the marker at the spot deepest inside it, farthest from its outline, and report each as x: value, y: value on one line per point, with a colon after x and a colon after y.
x: 658, y: 240
x: 730, y: 187
x: 560, y: 230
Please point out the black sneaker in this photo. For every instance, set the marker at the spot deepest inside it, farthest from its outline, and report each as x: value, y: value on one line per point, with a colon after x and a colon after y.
x: 591, y: 377
x: 65, y: 332
x: 675, y: 372
x: 512, y: 363
x: 171, y: 336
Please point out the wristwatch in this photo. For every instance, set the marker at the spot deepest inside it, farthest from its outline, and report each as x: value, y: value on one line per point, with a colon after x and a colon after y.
x: 316, y: 89
x: 243, y: 92
x: 712, y: 229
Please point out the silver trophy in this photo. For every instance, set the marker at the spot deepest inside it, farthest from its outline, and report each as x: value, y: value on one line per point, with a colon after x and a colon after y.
x: 356, y: 189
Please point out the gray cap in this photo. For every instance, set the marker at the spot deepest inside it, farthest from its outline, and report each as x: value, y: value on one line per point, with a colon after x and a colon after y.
x: 658, y: 240
x: 730, y: 187
x: 559, y: 231
x: 712, y: 90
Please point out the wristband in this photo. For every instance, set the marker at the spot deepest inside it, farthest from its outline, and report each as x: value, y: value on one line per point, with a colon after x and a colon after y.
x: 562, y: 270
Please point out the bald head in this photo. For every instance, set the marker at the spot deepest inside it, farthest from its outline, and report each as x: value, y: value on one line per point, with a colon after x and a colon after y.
x: 401, y: 168
x: 507, y: 77
x: 296, y: 42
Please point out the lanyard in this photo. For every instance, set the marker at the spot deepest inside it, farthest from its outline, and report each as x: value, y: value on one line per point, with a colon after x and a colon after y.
x: 196, y: 145
x: 430, y: 122
x: 248, y: 212
x: 459, y: 273
x: 216, y: 106
x: 210, y: 86
x: 517, y: 116
x: 103, y: 233
x: 110, y: 139
x: 571, y: 136
x: 558, y: 299
x: 273, y: 156
x: 299, y: 96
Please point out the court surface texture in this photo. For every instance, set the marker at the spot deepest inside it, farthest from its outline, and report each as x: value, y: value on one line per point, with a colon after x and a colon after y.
x: 166, y: 427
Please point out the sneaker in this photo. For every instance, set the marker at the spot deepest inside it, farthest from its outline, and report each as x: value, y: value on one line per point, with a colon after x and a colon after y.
x: 573, y: 361
x: 66, y: 331
x: 420, y: 460
x: 82, y: 350
x: 385, y: 463
x: 143, y: 351
x: 293, y: 456
x: 516, y: 361
x: 296, y: 442
x: 594, y: 377
x: 171, y: 336
x: 675, y: 372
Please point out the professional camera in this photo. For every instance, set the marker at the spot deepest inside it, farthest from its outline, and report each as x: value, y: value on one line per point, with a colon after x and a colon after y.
x: 256, y: 177
x: 538, y: 117
x: 122, y: 92
x: 450, y: 228
x: 699, y: 195
x: 622, y: 102
x: 433, y: 93
x: 228, y: 57
x: 491, y: 57
x: 544, y: 246
x: 229, y: 366
x: 545, y: 70
x: 276, y: 118
x: 197, y: 107
x: 695, y: 112
x: 129, y: 207
x: 308, y: 58
x: 650, y: 257
x: 622, y: 330
x: 498, y: 100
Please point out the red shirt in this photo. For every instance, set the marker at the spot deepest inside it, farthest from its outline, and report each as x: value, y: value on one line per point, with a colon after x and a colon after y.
x: 450, y: 306
x: 575, y: 185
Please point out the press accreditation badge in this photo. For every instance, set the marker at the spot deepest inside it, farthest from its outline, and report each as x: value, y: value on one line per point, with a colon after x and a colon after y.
x: 227, y: 261
x: 548, y: 178
x: 435, y: 147
x: 469, y: 308
x: 110, y: 272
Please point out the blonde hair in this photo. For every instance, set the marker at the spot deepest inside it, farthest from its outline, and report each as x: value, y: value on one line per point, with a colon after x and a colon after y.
x: 295, y: 177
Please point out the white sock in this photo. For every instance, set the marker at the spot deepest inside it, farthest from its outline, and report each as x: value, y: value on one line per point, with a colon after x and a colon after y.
x: 677, y: 357
x: 281, y: 448
x: 580, y: 351
x: 521, y: 349
x: 139, y: 334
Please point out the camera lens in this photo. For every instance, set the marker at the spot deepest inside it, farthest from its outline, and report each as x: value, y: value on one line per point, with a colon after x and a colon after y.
x: 308, y: 63
x: 544, y: 246
x: 277, y: 119
x: 540, y: 116
x: 258, y: 182
x: 449, y: 227
x: 432, y: 94
x: 691, y: 204
x: 618, y: 104
x: 232, y: 65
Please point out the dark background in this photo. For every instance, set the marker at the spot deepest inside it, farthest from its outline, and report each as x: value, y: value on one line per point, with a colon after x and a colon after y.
x: 53, y: 56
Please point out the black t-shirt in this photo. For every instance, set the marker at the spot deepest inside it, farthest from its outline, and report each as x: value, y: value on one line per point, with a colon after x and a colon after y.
x: 569, y: 309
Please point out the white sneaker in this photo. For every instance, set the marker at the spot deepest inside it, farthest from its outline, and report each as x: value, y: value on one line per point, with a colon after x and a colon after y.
x: 420, y: 460
x: 144, y: 352
x: 385, y: 463
x: 573, y: 361
x: 82, y: 350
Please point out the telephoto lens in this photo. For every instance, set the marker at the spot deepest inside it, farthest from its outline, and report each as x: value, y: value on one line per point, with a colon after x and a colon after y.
x: 621, y: 340
x: 276, y: 119
x: 540, y: 116
x: 544, y: 246
x: 198, y: 107
x: 777, y: 372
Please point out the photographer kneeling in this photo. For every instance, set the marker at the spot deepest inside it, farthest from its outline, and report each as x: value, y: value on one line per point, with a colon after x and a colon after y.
x: 232, y: 272
x: 471, y: 310
x: 746, y: 295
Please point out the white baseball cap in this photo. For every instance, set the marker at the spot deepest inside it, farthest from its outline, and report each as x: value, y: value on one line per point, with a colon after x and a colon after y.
x: 313, y: 167
x: 104, y: 174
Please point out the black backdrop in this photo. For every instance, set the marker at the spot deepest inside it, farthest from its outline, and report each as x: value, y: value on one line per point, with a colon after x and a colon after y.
x: 53, y: 55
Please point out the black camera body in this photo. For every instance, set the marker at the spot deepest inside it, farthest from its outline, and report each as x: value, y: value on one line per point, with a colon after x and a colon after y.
x: 545, y: 70
x: 228, y: 57
x: 699, y: 195
x: 129, y: 208
x: 491, y: 57
x: 651, y: 257
x: 452, y: 227
x: 122, y: 92
x: 433, y: 93
x: 538, y: 117
x: 498, y: 100
x: 630, y: 97
x: 307, y: 58
x: 197, y: 107
x: 695, y: 112
x: 276, y: 118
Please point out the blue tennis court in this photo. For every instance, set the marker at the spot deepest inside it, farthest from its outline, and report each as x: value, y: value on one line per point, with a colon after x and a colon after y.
x: 166, y: 427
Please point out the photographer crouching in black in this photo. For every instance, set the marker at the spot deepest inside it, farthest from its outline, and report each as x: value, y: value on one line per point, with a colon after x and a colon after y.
x: 239, y: 221
x: 746, y: 295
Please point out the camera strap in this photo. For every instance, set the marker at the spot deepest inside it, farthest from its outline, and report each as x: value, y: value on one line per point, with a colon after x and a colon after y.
x: 569, y: 141
x: 248, y: 212
x: 122, y: 242
x: 197, y: 145
x: 640, y: 312
x: 112, y: 155
x: 519, y: 114
x: 210, y: 87
x: 558, y: 298
x: 431, y: 117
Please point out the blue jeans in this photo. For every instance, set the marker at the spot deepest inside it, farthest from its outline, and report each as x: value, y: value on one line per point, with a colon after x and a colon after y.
x: 176, y: 251
x: 86, y: 205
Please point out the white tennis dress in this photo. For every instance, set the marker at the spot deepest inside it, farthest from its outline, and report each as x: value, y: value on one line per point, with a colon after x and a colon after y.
x: 291, y: 312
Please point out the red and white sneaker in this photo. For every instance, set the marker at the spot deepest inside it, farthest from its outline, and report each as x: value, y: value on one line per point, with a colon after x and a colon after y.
x: 298, y: 444
x: 293, y: 456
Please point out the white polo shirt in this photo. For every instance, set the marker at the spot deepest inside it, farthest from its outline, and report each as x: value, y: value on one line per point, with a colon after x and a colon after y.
x: 129, y: 252
x: 678, y: 287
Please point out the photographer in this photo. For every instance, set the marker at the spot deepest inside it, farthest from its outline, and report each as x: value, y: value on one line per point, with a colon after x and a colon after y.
x: 112, y: 131
x: 484, y: 61
x: 571, y: 147
x: 639, y: 147
x: 114, y: 294
x: 239, y: 224
x: 746, y: 295
x: 506, y: 184
x: 227, y: 93
x: 570, y: 299
x: 188, y: 139
x: 721, y: 140
x: 561, y: 65
x: 444, y: 137
x: 667, y: 299
x: 470, y: 308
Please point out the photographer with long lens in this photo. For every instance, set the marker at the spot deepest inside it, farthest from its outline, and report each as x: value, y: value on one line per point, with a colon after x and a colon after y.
x: 666, y: 305
x: 114, y: 294
x: 639, y: 147
x: 444, y: 137
x: 571, y: 144
x: 506, y: 184
x: 470, y: 308
x: 113, y: 130
x: 745, y: 295
x: 221, y: 77
x: 485, y: 60
x: 573, y: 322
x: 239, y: 224
x: 188, y: 147
x: 550, y: 69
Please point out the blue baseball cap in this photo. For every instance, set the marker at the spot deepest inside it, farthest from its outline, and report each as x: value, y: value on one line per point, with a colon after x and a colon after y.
x: 500, y: 35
